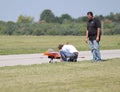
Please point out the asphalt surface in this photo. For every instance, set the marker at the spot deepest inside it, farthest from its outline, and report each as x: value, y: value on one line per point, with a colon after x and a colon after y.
x: 28, y: 59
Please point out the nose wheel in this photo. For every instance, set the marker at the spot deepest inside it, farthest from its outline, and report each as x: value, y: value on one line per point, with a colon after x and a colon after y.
x: 51, y: 59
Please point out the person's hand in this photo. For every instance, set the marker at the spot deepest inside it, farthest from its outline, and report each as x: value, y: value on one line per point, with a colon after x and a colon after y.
x: 86, y: 40
x: 97, y: 39
x: 60, y: 59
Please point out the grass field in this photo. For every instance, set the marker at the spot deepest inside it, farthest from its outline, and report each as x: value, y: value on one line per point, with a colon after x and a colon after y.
x: 83, y: 76
x: 38, y: 44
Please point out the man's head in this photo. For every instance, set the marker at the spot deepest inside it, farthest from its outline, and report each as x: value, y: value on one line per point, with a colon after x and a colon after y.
x: 60, y: 46
x: 90, y: 15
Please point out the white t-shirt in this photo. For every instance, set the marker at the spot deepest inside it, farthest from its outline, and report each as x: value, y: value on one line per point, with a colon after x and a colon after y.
x: 69, y: 48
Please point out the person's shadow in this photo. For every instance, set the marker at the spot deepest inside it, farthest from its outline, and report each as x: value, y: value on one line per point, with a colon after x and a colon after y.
x: 105, y: 60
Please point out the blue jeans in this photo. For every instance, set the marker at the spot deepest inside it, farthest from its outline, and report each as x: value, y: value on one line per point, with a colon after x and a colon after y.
x: 65, y: 55
x: 94, y: 45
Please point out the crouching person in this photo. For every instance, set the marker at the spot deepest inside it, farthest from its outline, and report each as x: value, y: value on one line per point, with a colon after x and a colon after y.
x: 68, y: 52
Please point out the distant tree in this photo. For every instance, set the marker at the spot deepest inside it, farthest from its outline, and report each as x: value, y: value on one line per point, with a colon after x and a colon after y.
x: 50, y: 24
x: 117, y: 17
x: 25, y: 19
x: 10, y: 28
x: 111, y: 16
x: 48, y: 16
x: 58, y: 20
x: 82, y: 19
x: 66, y: 17
x: 38, y: 32
x: 2, y: 30
x: 79, y: 19
x: 100, y: 17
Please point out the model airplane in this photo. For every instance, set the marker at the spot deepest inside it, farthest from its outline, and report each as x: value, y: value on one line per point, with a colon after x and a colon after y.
x: 52, y: 54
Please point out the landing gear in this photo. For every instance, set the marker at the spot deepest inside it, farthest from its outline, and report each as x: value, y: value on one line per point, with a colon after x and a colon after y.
x: 51, y: 59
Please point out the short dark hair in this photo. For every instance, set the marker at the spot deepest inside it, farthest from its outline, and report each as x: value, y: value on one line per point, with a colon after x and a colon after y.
x: 60, y: 46
x: 90, y: 13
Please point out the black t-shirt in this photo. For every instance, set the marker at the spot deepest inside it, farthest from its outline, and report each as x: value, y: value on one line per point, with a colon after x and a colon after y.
x: 92, y: 26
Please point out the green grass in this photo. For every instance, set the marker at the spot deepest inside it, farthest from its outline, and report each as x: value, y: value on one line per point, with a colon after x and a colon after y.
x: 86, y: 76
x: 38, y: 44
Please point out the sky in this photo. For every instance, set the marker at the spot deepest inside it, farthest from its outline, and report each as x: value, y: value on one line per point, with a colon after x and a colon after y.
x: 10, y: 10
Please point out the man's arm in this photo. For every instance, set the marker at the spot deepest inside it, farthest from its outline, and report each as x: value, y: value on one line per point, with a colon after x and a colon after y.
x: 98, y: 34
x: 86, y: 40
x: 98, y: 25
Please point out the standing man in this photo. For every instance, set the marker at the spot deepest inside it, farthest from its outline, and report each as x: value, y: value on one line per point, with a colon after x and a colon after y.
x: 93, y: 33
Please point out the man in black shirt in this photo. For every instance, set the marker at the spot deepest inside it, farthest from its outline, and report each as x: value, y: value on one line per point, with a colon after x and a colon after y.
x: 93, y: 33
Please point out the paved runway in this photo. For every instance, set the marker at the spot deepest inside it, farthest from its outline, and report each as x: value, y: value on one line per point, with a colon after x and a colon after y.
x: 28, y: 59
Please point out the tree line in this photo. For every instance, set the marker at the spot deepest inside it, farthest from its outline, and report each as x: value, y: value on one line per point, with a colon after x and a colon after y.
x: 49, y: 24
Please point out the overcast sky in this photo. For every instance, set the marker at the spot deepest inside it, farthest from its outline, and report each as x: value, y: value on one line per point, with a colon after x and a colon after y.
x: 10, y: 10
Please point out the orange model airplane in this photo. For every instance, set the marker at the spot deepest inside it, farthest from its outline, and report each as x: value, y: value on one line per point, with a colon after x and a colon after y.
x: 52, y: 55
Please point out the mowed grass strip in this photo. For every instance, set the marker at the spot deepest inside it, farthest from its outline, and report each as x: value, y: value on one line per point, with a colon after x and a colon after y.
x: 86, y: 76
x: 39, y: 44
